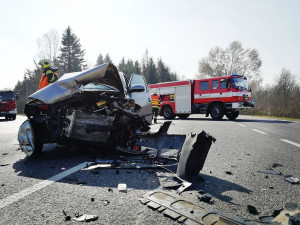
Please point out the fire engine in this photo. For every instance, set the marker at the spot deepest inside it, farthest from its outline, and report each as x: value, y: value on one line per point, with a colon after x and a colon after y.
x: 8, y: 105
x: 217, y: 97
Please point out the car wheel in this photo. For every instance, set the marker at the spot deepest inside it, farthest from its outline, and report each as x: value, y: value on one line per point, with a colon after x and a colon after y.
x: 167, y: 112
x: 183, y: 116
x: 233, y: 115
x: 30, y: 139
x: 217, y: 112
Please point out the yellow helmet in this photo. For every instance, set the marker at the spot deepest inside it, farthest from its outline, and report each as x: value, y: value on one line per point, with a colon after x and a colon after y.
x: 45, y: 63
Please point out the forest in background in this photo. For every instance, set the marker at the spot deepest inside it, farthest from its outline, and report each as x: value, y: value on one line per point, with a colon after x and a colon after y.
x: 281, y: 99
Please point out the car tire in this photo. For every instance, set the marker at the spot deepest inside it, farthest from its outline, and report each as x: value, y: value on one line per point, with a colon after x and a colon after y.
x: 38, y: 141
x: 183, y: 116
x: 233, y: 115
x: 217, y: 111
x: 167, y: 112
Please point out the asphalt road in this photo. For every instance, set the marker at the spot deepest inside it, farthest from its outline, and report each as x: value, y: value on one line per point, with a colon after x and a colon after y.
x: 37, y: 190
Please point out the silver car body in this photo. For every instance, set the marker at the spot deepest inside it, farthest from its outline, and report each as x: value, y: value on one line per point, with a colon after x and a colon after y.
x: 107, y: 74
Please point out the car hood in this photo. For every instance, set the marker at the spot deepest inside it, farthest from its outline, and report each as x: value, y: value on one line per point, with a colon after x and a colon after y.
x: 69, y: 83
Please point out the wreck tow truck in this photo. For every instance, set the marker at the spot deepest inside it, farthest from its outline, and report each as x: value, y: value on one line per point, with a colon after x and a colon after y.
x: 217, y: 96
x: 8, y: 105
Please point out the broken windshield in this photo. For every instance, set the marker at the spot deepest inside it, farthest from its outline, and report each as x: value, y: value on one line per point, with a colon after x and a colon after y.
x: 239, y: 83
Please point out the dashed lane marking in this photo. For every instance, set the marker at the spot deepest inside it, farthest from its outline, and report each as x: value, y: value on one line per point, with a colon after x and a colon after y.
x: 241, y: 125
x: 259, y: 131
x: 290, y: 142
x: 17, y: 196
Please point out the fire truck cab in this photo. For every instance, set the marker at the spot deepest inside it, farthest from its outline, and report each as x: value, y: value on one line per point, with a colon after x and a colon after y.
x: 217, y: 97
x: 8, y: 105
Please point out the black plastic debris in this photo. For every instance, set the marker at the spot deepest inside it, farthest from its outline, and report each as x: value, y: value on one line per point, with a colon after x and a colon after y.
x: 274, y: 165
x: 292, y: 180
x: 228, y: 172
x: 92, y: 199
x: 67, y: 217
x: 271, y: 187
x: 4, y: 164
x: 270, y: 172
x: 5, y: 153
x: 2, y: 185
x: 251, y: 209
x: 110, y: 190
x: 205, y: 197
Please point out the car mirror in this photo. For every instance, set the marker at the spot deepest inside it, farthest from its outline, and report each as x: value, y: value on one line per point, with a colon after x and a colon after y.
x: 137, y: 88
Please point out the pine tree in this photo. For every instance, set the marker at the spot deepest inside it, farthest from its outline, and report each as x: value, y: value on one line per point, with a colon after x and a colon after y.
x: 100, y: 60
x: 107, y: 59
x: 71, y: 58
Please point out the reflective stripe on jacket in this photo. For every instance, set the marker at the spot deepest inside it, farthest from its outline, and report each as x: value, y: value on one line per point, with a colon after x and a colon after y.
x: 48, y: 78
x: 155, y: 101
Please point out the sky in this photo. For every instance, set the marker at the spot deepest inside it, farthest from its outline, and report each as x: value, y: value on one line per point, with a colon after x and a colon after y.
x: 180, y: 32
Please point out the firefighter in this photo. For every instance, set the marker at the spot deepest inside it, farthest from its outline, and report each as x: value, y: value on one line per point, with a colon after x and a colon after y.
x: 49, y: 75
x: 155, y: 104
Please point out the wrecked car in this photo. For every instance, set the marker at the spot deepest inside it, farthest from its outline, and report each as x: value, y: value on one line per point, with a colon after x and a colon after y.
x: 97, y: 106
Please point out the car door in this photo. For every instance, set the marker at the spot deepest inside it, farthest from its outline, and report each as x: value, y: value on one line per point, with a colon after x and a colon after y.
x: 142, y: 98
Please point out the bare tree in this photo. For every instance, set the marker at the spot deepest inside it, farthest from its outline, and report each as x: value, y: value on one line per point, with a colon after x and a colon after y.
x: 233, y: 59
x: 48, y: 45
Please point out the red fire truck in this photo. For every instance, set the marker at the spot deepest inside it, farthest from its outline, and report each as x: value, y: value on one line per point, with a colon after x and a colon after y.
x: 217, y: 97
x: 8, y: 106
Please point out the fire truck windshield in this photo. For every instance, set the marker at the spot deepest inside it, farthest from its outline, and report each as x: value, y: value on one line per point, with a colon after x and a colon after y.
x: 239, y: 83
x: 7, y: 96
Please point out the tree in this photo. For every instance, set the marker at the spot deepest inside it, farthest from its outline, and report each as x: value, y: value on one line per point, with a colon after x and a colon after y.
x: 48, y: 45
x: 71, y: 58
x: 100, y: 60
x: 107, y: 59
x: 164, y: 73
x: 234, y: 59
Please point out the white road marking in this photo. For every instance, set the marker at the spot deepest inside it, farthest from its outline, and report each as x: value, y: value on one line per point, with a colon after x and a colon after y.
x: 241, y: 125
x: 17, y: 196
x: 259, y: 131
x: 290, y: 142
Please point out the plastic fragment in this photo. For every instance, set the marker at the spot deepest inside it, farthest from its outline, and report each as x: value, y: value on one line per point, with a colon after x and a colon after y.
x: 228, y: 172
x: 292, y: 180
x: 122, y: 187
x: 205, y: 197
x: 270, y: 172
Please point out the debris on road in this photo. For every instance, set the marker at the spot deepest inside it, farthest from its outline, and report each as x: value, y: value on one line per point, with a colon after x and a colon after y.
x: 292, y: 180
x: 81, y: 183
x: 4, y: 164
x: 67, y: 217
x: 181, y: 210
x: 5, y: 153
x: 274, y: 165
x: 110, y: 190
x: 85, y: 218
x: 228, y: 172
x: 251, y: 209
x: 270, y: 172
x: 122, y: 187
x: 205, y: 197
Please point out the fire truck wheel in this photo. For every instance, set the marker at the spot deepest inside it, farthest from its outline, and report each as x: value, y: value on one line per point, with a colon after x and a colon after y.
x: 233, y: 115
x: 183, y: 116
x: 217, y: 112
x: 13, y: 117
x: 167, y: 112
x: 6, y: 117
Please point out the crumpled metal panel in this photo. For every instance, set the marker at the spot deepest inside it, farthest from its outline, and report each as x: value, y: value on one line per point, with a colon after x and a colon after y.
x: 174, y: 206
x: 69, y: 83
x: 26, y: 138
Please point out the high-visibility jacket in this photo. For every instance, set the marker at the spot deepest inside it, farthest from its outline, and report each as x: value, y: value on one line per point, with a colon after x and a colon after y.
x: 155, y: 101
x: 49, y: 76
